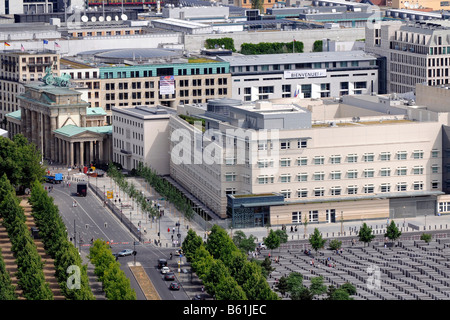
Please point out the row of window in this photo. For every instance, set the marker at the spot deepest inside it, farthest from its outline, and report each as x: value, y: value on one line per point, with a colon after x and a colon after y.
x: 355, y: 189
x: 350, y: 158
x: 351, y: 174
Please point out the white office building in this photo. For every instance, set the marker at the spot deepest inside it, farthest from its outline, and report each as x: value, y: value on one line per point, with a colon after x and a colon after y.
x: 302, y: 75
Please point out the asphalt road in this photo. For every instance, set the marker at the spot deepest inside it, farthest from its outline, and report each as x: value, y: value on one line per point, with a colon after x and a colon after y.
x: 89, y: 219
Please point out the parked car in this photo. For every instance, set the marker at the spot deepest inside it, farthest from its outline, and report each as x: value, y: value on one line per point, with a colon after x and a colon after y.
x: 174, y: 286
x: 165, y: 269
x: 169, y: 276
x: 198, y: 297
x: 162, y: 263
x: 262, y: 245
x: 126, y: 252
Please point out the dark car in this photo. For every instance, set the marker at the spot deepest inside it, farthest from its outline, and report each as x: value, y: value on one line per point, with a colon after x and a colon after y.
x: 169, y: 276
x: 174, y: 286
x: 198, y: 297
x: 162, y: 263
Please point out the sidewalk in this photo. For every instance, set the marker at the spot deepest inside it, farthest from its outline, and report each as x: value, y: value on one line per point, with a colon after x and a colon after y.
x: 149, y: 228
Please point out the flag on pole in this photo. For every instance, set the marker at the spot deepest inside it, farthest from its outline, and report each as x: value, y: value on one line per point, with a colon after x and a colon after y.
x: 22, y: 47
x: 57, y: 45
x: 7, y: 44
x: 45, y: 41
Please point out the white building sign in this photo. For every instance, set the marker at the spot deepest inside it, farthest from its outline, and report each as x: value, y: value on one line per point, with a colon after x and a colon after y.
x: 313, y: 73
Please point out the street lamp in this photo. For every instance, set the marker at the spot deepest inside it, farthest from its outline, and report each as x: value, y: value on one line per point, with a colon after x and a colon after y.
x: 425, y: 222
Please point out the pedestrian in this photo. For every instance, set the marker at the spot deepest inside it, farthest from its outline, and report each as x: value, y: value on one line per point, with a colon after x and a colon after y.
x: 145, y: 230
x: 203, y: 289
x: 173, y: 230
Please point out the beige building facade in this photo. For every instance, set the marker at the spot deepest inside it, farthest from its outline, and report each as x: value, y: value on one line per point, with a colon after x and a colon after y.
x: 354, y: 165
x: 19, y: 68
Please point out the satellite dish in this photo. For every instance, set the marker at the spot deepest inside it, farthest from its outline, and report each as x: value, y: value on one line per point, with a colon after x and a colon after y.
x: 84, y: 19
x: 116, y: 18
x: 93, y: 19
x: 101, y: 18
x: 124, y: 17
x: 108, y: 18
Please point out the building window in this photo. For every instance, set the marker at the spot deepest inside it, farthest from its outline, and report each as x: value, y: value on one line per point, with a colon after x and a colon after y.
x: 352, y: 189
x: 434, y: 153
x: 302, y: 193
x: 335, y: 175
x: 230, y: 176
x: 435, y: 168
x: 265, y: 179
x: 401, y: 186
x: 265, y: 163
x: 285, y: 144
x: 286, y: 193
x: 302, y: 143
x: 418, y: 185
x: 318, y: 160
x: 303, y: 161
x: 335, y: 159
x: 369, y: 173
x: 418, y: 170
x: 385, y: 172
x: 352, y: 158
x: 319, y: 192
x: 369, y: 157
x: 297, y: 217
x: 302, y: 177
x: 352, y: 174
x: 336, y: 191
x: 314, y: 215
x: 401, y: 171
x: 368, y: 188
x: 385, y: 187
x: 434, y: 184
x: 318, y: 176
x: 385, y: 156
x: 418, y: 154
x: 285, y: 162
x: 285, y: 178
x: 402, y: 155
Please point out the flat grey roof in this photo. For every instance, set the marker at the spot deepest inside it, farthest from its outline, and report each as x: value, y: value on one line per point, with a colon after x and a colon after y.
x: 144, y: 112
x: 286, y: 58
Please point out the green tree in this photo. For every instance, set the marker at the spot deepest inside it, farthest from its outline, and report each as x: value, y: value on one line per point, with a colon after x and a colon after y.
x: 242, y: 242
x: 351, y: 289
x: 220, y: 245
x: 6, y: 287
x: 301, y: 293
x: 316, y: 241
x: 227, y: 43
x: 425, y: 237
x: 282, y: 285
x: 317, y: 46
x: 339, y: 294
x: 365, y: 234
x: 392, y: 232
x: 266, y: 266
x: 335, y: 244
x: 272, y: 241
x: 294, y: 281
x: 228, y: 289
x: 317, y: 287
x: 191, y: 243
x: 282, y: 235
